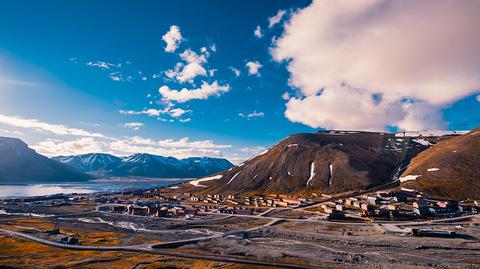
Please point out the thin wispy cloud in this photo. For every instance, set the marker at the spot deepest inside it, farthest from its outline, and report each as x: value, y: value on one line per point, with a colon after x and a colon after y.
x: 133, y: 125
x: 235, y: 71
x: 272, y: 21
x: 258, y: 31
x: 173, y: 112
x: 37, y: 125
x: 253, y: 114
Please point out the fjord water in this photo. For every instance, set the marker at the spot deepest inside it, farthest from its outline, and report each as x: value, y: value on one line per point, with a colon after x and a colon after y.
x: 40, y: 189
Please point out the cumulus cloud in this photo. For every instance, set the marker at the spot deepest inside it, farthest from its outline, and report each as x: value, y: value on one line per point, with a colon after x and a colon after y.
x: 186, y: 72
x: 478, y: 98
x: 173, y: 38
x: 37, y: 125
x: 276, y: 19
x: 206, y: 90
x: 285, y: 96
x: 258, y: 31
x: 383, y: 58
x: 133, y: 125
x: 253, y: 68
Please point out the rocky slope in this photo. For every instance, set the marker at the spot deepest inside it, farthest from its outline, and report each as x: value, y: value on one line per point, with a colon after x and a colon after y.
x: 450, y: 169
x: 19, y: 163
x: 325, y: 162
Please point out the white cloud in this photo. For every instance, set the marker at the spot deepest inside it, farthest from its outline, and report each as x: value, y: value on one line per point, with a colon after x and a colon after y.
x: 180, y: 148
x: 169, y: 147
x: 258, y: 32
x: 206, y: 90
x: 253, y: 67
x: 43, y: 126
x: 52, y: 147
x: 173, y: 112
x: 11, y: 132
x: 192, y: 67
x: 102, y: 65
x: 235, y: 71
x: 253, y: 114
x: 118, y: 76
x: 177, y: 112
x: 173, y: 38
x: 285, y: 96
x: 478, y: 98
x: 276, y: 19
x: 398, y: 50
x: 253, y: 151
x: 185, y: 120
x: 185, y: 143
x: 133, y: 125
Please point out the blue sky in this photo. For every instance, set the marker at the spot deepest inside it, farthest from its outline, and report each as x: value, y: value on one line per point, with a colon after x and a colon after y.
x: 97, y: 67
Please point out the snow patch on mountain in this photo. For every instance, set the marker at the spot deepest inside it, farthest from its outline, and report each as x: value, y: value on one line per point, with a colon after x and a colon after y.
x: 408, y: 178
x: 196, y: 182
x: 312, y: 172
x: 422, y: 141
x: 233, y: 177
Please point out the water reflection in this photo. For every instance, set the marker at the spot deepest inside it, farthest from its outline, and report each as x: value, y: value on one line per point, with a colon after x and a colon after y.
x: 87, y: 187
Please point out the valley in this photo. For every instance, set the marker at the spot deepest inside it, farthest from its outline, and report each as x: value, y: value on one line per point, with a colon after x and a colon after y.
x: 332, y: 199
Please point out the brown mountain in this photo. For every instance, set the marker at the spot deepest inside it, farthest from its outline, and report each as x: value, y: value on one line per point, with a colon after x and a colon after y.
x: 449, y: 169
x: 326, y: 162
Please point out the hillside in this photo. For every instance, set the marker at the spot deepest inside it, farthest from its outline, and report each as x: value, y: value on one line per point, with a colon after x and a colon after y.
x: 19, y: 163
x: 323, y: 162
x: 449, y: 169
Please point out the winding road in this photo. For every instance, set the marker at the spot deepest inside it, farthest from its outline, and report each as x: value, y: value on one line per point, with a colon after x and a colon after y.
x: 148, y: 249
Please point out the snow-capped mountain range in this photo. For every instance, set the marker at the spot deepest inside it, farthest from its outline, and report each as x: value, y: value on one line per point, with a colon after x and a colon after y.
x: 145, y: 165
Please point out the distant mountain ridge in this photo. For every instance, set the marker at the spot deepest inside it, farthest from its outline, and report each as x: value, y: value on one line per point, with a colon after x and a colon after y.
x: 145, y: 165
x: 91, y: 162
x: 19, y: 163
